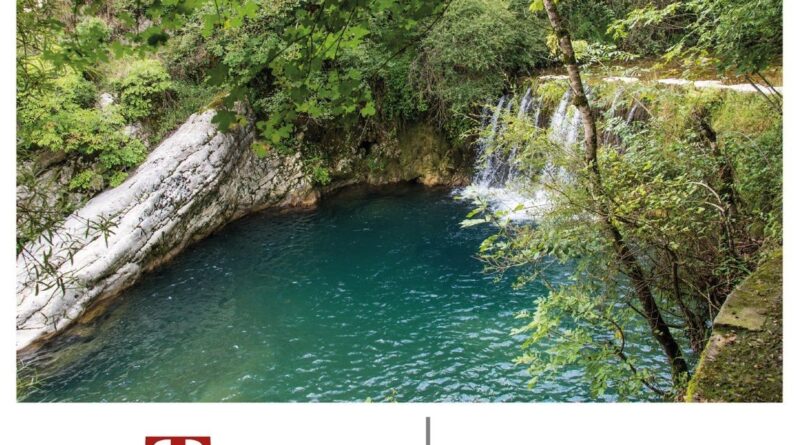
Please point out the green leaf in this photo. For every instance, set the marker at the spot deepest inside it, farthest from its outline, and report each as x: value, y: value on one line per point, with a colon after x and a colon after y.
x: 368, y: 110
x: 472, y: 222
x: 224, y: 119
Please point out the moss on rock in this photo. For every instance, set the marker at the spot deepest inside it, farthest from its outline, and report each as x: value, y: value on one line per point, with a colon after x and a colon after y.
x: 743, y: 360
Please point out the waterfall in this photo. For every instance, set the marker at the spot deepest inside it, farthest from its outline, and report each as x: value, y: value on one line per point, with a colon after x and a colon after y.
x: 566, y: 124
x: 498, y: 167
x: 498, y: 179
x: 572, y: 129
x: 522, y: 113
x: 524, y: 104
x: 609, y: 134
x: 491, y: 159
x: 497, y: 176
x: 557, y: 123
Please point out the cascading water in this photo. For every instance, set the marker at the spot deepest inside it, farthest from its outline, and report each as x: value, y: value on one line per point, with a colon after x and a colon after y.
x: 559, y: 123
x: 522, y: 113
x: 484, y: 175
x: 612, y: 116
x: 498, y: 177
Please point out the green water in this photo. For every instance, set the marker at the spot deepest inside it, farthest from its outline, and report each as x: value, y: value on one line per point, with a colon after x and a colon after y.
x: 373, y: 293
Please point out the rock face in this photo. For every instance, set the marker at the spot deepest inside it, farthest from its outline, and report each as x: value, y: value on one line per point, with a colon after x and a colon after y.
x: 416, y: 152
x: 193, y: 183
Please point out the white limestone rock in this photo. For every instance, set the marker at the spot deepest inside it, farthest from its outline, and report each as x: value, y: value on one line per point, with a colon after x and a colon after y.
x: 105, y: 100
x: 193, y: 183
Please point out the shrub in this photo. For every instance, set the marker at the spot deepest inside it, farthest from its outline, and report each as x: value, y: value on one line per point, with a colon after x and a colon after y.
x: 189, y: 98
x: 63, y: 118
x: 92, y: 31
x: 551, y: 92
x: 143, y: 88
x: 399, y: 99
x: 319, y: 172
x: 462, y: 60
x: 76, y: 90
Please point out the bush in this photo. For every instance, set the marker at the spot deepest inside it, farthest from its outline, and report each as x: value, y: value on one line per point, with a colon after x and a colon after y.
x: 144, y: 87
x: 189, y: 98
x: 398, y: 99
x: 462, y: 60
x: 76, y: 90
x: 186, y: 55
x: 63, y: 118
x: 92, y: 31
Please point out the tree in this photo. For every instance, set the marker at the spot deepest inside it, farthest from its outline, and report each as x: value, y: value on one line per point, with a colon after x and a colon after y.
x: 629, y: 265
x: 310, y: 57
x: 742, y: 36
x: 302, y: 56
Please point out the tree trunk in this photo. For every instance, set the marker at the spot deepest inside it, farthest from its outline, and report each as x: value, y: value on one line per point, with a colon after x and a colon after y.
x: 625, y: 256
x: 695, y: 324
x: 727, y: 191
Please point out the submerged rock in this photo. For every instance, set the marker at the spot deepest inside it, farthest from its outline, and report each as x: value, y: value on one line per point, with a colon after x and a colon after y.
x: 193, y: 183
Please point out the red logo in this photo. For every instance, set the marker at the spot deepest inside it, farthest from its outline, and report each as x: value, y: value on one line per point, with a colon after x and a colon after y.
x: 188, y: 440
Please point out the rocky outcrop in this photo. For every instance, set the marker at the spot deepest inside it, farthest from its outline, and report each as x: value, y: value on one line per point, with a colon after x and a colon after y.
x: 743, y: 359
x: 412, y: 152
x: 193, y: 183
x: 419, y: 152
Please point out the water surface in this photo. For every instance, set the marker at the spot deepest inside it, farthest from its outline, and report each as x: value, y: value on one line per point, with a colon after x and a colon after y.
x: 376, y: 292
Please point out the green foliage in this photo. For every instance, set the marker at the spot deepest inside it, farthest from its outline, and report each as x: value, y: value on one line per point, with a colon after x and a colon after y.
x: 186, y: 98
x: 399, y: 99
x: 551, y: 93
x: 459, y: 60
x: 27, y: 379
x: 65, y: 119
x: 88, y: 180
x: 92, y: 31
x: 143, y: 88
x: 740, y: 35
x: 749, y: 35
x: 582, y: 327
x: 588, y: 22
x: 73, y: 89
x: 117, y: 179
x: 302, y: 65
x: 345, y: 62
x: 665, y: 186
x: 187, y: 56
x: 318, y: 171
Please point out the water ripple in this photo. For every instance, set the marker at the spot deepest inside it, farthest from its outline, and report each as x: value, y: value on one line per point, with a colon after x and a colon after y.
x: 372, y: 292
